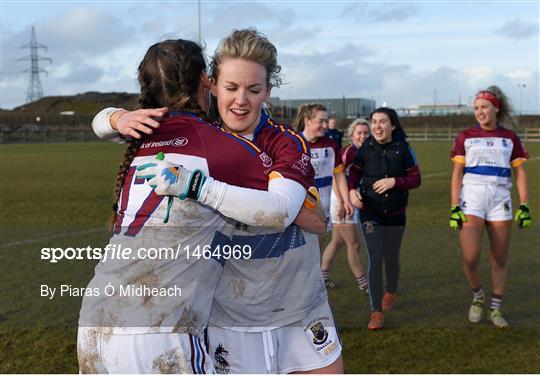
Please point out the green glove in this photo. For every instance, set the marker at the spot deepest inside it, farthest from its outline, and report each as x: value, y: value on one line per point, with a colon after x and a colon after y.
x: 523, y: 216
x: 457, y: 218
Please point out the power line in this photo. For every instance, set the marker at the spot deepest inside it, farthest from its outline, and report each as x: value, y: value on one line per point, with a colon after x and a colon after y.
x: 35, y: 90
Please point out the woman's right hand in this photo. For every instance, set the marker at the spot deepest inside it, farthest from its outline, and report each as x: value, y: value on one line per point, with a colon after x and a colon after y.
x: 132, y: 123
x: 356, y: 198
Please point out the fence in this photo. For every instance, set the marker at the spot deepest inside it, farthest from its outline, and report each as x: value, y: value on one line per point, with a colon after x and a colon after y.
x: 47, y: 136
x: 79, y: 130
x: 450, y: 133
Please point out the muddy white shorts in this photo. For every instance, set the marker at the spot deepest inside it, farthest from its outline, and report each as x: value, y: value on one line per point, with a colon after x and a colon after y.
x: 334, y: 208
x: 99, y: 352
x: 305, y: 345
x: 491, y: 202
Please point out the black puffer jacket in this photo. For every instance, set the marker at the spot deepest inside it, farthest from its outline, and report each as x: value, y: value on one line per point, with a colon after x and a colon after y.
x: 379, y: 161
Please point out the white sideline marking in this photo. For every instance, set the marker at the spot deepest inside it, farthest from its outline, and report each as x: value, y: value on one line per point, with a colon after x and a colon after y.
x: 29, y: 241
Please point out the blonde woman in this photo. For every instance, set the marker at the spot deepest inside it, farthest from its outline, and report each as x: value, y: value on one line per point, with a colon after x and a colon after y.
x: 346, y: 230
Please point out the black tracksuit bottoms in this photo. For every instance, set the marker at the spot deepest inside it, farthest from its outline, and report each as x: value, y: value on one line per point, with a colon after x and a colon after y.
x: 383, y: 235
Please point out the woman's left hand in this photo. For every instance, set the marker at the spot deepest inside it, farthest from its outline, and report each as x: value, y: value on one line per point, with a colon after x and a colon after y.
x: 383, y: 185
x: 341, y: 210
x: 349, y: 208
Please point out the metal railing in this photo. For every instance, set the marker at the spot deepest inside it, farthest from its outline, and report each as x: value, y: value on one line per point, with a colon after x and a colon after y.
x: 449, y: 134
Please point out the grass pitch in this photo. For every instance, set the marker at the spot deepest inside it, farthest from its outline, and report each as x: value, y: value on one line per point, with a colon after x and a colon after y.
x: 59, y: 195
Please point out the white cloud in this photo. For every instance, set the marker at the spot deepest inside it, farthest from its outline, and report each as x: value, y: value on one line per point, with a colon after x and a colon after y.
x: 479, y: 74
x: 355, y: 71
x: 520, y: 74
x: 326, y: 50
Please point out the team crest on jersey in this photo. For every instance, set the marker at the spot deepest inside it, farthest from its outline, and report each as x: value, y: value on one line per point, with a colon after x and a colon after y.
x: 320, y: 334
x: 299, y: 165
x: 305, y: 160
x: 267, y: 161
x: 370, y: 227
x: 221, y: 364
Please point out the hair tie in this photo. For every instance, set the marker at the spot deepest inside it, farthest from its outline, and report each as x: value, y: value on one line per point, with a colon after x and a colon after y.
x: 489, y: 97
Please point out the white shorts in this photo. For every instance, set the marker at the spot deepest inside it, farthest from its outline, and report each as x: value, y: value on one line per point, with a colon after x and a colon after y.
x: 490, y: 202
x: 309, y: 344
x: 334, y: 207
x: 141, y: 353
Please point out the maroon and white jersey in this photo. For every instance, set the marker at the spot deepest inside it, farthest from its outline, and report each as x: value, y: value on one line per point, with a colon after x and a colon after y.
x: 288, y: 150
x: 169, y: 256
x: 347, y: 156
x: 326, y: 160
x: 281, y: 283
x: 488, y: 156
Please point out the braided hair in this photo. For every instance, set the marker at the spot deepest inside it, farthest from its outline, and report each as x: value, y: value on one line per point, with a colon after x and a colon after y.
x: 170, y: 76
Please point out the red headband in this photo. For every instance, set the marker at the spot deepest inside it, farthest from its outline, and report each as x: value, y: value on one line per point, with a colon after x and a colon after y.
x: 489, y: 97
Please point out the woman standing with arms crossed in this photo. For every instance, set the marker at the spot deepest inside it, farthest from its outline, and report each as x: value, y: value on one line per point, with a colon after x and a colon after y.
x: 384, y: 169
x: 346, y: 230
x: 484, y: 157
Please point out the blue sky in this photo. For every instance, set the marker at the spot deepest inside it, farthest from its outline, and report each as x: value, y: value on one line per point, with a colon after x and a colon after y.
x: 401, y: 53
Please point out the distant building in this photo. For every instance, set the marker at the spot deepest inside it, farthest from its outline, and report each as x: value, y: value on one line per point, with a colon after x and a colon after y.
x: 350, y: 108
x: 435, y: 110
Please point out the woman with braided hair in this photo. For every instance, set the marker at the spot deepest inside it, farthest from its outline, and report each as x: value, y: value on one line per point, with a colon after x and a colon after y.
x: 270, y: 313
x: 148, y: 313
x: 484, y: 157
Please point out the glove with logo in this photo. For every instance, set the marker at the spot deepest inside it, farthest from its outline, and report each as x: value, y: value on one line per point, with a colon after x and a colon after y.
x: 170, y: 180
x: 523, y: 216
x: 457, y: 218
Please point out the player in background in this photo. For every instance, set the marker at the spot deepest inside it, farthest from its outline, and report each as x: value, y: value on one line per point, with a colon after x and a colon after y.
x: 163, y: 333
x: 346, y: 230
x: 275, y: 304
x: 384, y: 169
x: 484, y: 157
x: 326, y: 160
x: 332, y: 132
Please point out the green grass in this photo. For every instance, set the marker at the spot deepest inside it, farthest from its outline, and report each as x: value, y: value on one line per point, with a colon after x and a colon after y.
x: 60, y: 195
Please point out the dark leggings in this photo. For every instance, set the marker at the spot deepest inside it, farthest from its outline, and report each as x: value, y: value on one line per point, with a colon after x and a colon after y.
x: 382, y: 235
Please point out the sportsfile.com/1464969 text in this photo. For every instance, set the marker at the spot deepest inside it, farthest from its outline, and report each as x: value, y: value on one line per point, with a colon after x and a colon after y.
x: 117, y: 252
